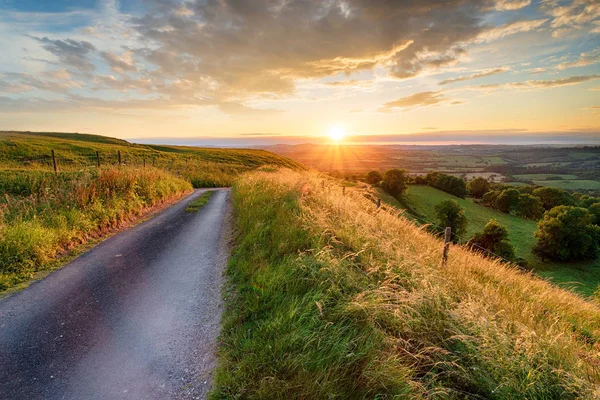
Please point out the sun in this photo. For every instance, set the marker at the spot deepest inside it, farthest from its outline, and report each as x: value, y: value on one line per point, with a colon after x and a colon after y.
x: 337, y: 133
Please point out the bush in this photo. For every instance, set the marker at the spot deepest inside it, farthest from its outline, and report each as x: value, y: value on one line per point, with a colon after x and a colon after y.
x: 478, y: 187
x: 508, y: 200
x: 530, y: 207
x: 394, y: 181
x: 450, y: 214
x: 494, y: 238
x: 447, y: 183
x: 567, y: 234
x: 553, y: 197
x: 594, y: 209
x: 374, y: 177
x: 489, y: 199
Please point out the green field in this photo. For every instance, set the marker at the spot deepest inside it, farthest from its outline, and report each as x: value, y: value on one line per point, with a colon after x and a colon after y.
x: 543, y: 177
x: 570, y: 184
x: 584, y: 277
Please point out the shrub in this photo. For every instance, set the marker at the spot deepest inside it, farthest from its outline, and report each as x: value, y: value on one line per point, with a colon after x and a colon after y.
x: 374, y: 177
x: 567, y: 234
x: 553, y: 197
x: 508, y: 200
x: 530, y: 207
x: 489, y: 199
x: 478, y: 187
x: 450, y: 214
x: 394, y: 181
x: 494, y: 238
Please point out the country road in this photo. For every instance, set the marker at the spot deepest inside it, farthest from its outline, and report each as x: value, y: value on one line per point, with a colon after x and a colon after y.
x: 134, y: 318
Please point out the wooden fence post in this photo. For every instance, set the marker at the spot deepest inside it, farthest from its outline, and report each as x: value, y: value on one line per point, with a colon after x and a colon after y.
x: 343, y: 190
x: 378, y: 203
x: 98, y: 159
x: 447, y: 239
x: 119, y: 156
x: 54, y: 163
x: 144, y: 161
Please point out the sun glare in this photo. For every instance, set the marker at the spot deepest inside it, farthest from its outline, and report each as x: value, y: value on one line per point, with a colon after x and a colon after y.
x: 337, y: 133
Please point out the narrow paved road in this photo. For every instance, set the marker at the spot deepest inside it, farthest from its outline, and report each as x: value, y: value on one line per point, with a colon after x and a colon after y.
x: 134, y: 318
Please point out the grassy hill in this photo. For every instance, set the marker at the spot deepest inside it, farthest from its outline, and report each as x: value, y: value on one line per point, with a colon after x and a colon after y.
x: 333, y: 298
x: 583, y: 276
x: 204, y: 167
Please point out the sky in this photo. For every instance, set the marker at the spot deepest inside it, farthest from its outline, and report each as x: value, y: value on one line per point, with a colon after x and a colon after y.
x: 167, y: 69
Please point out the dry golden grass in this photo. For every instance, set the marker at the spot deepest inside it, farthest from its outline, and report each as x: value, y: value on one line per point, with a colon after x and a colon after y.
x: 475, y: 328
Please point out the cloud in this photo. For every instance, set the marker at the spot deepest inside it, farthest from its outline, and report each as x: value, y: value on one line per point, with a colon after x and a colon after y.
x: 541, y: 84
x: 475, y: 76
x: 573, y: 15
x: 584, y: 60
x: 498, y: 32
x: 511, y: 5
x: 421, y: 99
x: 70, y: 52
x: 352, y: 82
x: 120, y: 64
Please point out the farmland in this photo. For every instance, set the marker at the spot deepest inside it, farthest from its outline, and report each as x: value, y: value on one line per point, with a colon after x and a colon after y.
x: 572, y: 168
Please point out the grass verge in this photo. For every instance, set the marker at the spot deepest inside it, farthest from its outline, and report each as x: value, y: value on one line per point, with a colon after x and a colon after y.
x: 43, y: 216
x: 200, y: 202
x: 332, y: 298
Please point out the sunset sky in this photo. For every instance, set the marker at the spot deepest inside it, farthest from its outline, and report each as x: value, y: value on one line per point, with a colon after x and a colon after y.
x: 170, y: 68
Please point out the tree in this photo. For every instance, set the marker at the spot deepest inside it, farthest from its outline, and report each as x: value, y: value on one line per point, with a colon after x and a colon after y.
x: 450, y: 214
x: 494, y: 238
x: 567, y: 233
x: 508, y: 200
x: 553, y: 197
x: 594, y: 209
x: 394, y: 181
x: 374, y: 177
x: 530, y: 207
x: 587, y: 201
x: 478, y: 187
x: 489, y: 199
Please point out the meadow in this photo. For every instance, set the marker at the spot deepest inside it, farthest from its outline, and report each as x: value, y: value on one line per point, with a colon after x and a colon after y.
x: 331, y: 297
x: 583, y: 277
x: 46, y: 217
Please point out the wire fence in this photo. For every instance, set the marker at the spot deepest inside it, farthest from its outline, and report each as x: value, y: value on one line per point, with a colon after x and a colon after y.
x: 54, y: 160
x: 460, y: 240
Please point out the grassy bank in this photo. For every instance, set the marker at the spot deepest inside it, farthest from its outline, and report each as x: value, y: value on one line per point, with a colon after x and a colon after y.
x: 583, y: 277
x: 42, y: 216
x: 203, y: 167
x: 334, y: 299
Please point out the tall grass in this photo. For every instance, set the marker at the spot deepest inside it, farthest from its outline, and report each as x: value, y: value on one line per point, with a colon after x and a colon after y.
x: 42, y: 215
x: 333, y: 298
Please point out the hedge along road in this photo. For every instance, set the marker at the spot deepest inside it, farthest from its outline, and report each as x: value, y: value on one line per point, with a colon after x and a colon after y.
x: 136, y: 317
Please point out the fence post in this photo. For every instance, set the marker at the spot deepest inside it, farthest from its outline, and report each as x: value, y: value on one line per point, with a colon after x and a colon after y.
x: 343, y: 190
x: 144, y: 161
x: 378, y: 203
x: 98, y: 159
x: 54, y: 163
x: 447, y: 238
x: 119, y: 156
x: 153, y: 159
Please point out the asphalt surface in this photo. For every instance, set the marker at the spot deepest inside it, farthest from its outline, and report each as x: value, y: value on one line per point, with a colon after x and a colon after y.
x: 134, y: 318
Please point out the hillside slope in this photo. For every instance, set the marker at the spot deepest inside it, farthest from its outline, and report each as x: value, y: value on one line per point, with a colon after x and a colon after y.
x: 582, y: 276
x: 333, y: 298
x: 204, y: 167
